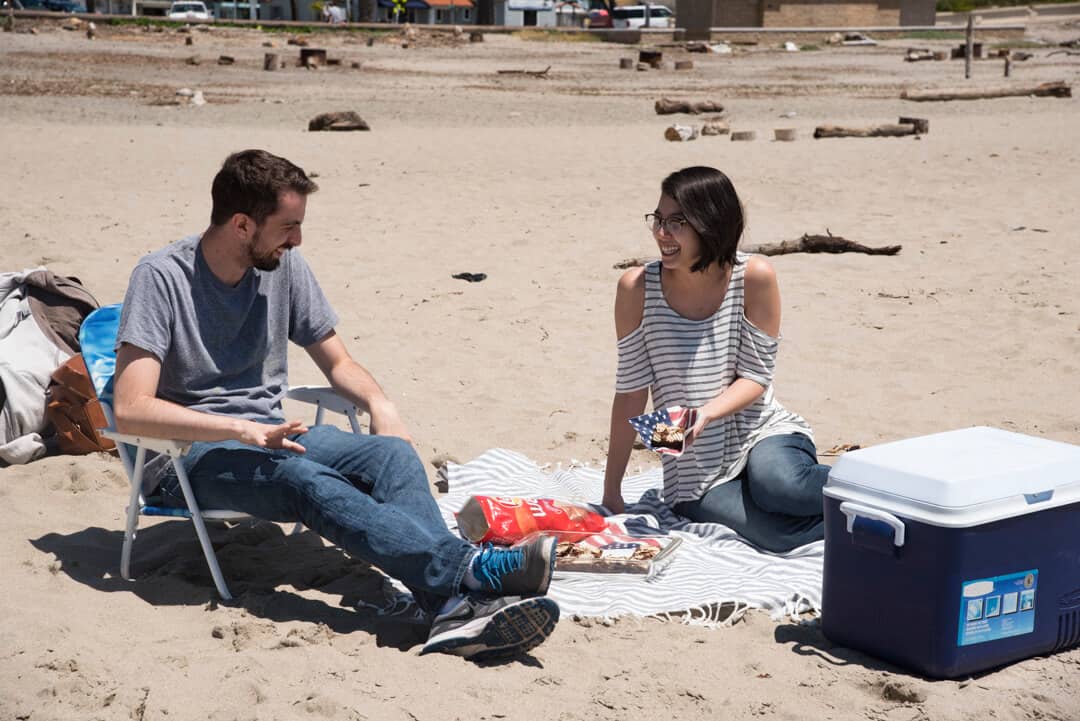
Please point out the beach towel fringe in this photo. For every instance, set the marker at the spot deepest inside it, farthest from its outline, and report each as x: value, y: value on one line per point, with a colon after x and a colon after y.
x: 708, y: 615
x: 795, y: 608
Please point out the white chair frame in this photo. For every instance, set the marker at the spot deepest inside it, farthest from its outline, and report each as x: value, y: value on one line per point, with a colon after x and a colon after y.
x: 322, y: 397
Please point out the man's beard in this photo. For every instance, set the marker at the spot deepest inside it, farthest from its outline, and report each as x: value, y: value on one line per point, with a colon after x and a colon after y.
x: 262, y: 261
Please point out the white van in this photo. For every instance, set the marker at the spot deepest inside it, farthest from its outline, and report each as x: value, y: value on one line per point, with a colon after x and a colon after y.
x: 633, y: 16
x: 188, y: 10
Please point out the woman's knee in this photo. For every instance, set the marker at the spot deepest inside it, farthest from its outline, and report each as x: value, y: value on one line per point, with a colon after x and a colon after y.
x: 784, y: 477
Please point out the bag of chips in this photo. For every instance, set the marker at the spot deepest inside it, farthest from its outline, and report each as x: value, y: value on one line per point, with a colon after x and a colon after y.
x: 507, y: 520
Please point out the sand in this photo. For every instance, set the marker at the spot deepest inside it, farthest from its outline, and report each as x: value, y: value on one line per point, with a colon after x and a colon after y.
x: 540, y: 184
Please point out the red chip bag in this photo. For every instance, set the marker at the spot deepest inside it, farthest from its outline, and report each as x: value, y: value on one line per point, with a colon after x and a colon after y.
x: 508, y: 520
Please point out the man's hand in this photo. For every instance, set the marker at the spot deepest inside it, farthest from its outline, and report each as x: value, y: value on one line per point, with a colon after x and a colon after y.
x: 385, y: 421
x: 614, y: 503
x: 264, y: 435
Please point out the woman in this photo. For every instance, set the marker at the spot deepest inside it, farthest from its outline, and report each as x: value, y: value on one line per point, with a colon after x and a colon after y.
x: 699, y: 328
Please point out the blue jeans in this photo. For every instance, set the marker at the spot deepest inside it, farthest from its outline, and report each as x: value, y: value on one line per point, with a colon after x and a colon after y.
x: 367, y: 494
x: 776, y: 502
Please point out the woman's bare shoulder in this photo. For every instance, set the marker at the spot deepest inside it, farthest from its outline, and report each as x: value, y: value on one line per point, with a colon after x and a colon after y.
x: 632, y: 280
x: 759, y: 273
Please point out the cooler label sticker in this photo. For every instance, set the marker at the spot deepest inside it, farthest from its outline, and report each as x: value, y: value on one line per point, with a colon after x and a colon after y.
x: 998, y: 607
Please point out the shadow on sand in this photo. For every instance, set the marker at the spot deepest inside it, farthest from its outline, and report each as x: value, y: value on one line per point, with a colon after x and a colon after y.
x: 256, y: 559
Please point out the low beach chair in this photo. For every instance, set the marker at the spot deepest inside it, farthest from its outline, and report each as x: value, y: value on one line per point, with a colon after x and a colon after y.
x: 98, y: 338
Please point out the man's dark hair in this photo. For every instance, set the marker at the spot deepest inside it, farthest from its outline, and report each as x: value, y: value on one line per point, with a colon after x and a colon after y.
x: 250, y: 182
x: 711, y: 206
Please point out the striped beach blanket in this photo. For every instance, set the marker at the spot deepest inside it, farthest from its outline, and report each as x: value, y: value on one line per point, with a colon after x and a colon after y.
x: 710, y: 579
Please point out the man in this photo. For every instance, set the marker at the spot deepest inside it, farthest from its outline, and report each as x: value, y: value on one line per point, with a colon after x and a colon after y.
x: 201, y: 356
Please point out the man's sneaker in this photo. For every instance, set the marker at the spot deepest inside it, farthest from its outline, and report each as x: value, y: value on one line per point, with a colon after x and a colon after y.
x: 523, y: 570
x: 486, y: 628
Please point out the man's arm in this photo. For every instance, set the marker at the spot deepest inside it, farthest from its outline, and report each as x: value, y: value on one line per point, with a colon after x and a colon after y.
x: 140, y: 412
x: 352, y: 381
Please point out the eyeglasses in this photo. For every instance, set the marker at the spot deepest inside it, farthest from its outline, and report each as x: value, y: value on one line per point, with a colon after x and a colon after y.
x: 673, y: 225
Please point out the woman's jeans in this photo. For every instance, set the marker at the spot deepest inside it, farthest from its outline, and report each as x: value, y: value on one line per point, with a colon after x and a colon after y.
x: 367, y: 494
x: 776, y: 502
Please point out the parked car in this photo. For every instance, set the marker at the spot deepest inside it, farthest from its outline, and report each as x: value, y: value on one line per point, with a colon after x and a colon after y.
x: 64, y: 6
x: 633, y: 16
x: 23, y: 4
x: 188, y: 10
x: 599, y: 19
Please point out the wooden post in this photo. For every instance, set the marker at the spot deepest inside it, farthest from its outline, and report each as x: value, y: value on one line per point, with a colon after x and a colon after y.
x: 1008, y: 65
x: 270, y: 61
x: 969, y: 39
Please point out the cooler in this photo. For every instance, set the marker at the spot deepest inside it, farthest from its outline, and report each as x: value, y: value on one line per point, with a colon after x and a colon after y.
x: 954, y: 552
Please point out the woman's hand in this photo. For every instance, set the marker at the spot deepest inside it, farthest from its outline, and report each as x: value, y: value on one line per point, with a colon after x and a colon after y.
x: 696, y: 429
x: 264, y: 435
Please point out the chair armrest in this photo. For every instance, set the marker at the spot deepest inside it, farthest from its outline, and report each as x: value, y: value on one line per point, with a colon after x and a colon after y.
x: 323, y: 396
x: 171, y: 448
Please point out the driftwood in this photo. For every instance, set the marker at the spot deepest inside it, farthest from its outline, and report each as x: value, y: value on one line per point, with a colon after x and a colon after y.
x: 874, y: 131
x: 346, y: 120
x: 922, y: 125
x: 1063, y: 52
x: 533, y: 73
x: 1056, y: 89
x: 820, y: 244
x: 807, y: 244
x: 914, y: 55
x: 668, y: 106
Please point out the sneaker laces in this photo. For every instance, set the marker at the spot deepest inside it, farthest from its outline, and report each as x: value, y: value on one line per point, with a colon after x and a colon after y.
x: 492, y: 564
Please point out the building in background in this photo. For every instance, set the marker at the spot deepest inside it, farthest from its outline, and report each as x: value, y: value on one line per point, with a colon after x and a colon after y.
x: 697, y: 16
x: 525, y: 13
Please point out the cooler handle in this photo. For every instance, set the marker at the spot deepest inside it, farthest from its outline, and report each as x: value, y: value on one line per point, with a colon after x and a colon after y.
x: 854, y: 510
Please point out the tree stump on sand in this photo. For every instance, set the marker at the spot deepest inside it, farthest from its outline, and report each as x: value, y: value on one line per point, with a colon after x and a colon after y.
x: 652, y: 57
x: 312, y: 57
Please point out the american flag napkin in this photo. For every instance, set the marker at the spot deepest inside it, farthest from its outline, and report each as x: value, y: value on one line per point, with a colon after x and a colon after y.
x: 673, y: 416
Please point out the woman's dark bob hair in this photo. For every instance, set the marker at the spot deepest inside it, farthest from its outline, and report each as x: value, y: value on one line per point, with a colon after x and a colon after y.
x: 711, y: 206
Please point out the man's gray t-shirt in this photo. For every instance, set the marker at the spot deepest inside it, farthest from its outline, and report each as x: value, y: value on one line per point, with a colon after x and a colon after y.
x: 223, y: 349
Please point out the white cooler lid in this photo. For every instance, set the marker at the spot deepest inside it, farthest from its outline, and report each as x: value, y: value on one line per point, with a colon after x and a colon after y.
x: 961, y: 478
